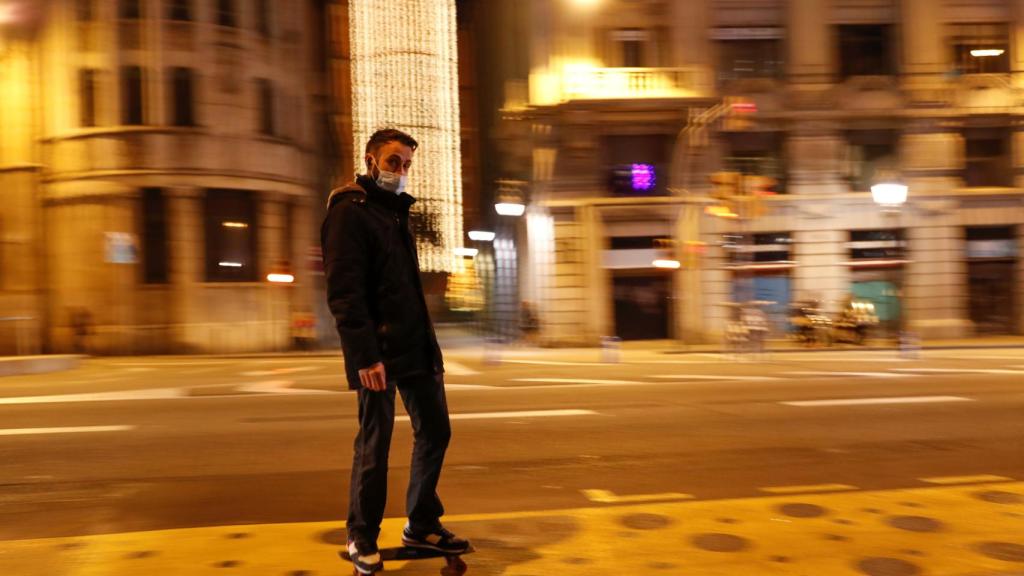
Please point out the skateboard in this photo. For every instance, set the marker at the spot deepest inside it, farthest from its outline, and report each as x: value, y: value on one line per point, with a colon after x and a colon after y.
x: 454, y: 565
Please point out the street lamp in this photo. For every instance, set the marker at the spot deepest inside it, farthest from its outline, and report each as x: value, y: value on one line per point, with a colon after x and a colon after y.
x: 509, y: 209
x: 481, y: 236
x: 891, y: 196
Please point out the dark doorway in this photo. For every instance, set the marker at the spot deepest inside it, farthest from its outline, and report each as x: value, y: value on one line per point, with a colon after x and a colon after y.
x: 991, y: 296
x: 642, y: 310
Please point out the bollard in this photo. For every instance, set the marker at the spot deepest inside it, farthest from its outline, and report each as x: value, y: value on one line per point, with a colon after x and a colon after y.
x: 910, y: 346
x: 610, y: 347
x: 492, y: 351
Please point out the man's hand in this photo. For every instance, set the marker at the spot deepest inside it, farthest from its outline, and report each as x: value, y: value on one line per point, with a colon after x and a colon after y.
x: 373, y: 378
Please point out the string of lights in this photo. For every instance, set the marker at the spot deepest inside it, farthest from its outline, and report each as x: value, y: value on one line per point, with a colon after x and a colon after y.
x: 404, y: 75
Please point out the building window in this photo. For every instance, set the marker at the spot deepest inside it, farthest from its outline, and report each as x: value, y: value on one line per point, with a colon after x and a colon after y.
x: 182, y: 97
x: 886, y: 244
x: 988, y: 161
x: 226, y: 12
x: 84, y: 10
x: 263, y: 18
x: 265, y: 106
x: 749, y: 59
x: 980, y: 48
x: 231, y: 226
x: 637, y: 165
x: 180, y: 10
x: 631, y: 44
x: 131, y: 95
x: 871, y: 155
x: 865, y: 50
x: 87, y: 97
x: 154, y: 236
x: 757, y: 154
x: 130, y: 9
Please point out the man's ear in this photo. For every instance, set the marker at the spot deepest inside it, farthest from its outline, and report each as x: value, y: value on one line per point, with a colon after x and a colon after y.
x: 369, y: 162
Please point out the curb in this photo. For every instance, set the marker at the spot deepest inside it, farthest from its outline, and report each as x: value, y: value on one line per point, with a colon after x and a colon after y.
x: 18, y: 365
x: 860, y: 349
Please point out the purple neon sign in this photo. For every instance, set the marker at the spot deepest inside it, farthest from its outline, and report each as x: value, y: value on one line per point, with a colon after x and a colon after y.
x: 644, y: 178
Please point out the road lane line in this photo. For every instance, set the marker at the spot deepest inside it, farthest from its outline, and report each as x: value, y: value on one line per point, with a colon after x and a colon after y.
x: 850, y: 374
x: 808, y: 489
x: 66, y: 430
x: 278, y: 387
x: 148, y: 394
x: 867, y: 401
x: 453, y: 368
x: 578, y: 381
x: 609, y: 497
x: 709, y: 377
x: 960, y: 370
x: 978, y: 479
x: 522, y: 414
x: 550, y: 363
x: 279, y: 371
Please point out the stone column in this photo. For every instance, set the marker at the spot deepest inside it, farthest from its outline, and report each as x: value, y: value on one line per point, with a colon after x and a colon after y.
x: 935, y: 280
x: 187, y: 250
x: 813, y: 156
x: 823, y: 274
x: 932, y: 157
x: 925, y: 58
x: 597, y: 303
x: 810, y: 59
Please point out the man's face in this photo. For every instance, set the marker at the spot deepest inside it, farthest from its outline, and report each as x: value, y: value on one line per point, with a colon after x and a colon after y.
x: 391, y: 157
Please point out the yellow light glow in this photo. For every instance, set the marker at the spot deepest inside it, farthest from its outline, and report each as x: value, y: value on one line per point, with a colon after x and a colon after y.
x: 587, y: 79
x: 234, y: 224
x: 585, y: 3
x: 667, y: 264
x: 987, y: 52
x: 280, y: 278
x: 404, y: 75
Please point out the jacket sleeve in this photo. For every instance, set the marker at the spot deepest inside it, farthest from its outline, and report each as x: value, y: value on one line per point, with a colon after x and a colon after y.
x: 345, y: 242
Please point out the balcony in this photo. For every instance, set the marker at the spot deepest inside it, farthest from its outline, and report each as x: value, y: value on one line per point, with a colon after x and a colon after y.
x: 587, y: 82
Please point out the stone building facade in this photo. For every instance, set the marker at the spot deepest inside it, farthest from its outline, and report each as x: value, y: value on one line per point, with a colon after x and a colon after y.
x: 629, y: 106
x: 160, y: 162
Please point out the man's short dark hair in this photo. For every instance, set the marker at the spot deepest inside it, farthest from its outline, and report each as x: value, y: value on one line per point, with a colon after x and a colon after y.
x: 382, y: 137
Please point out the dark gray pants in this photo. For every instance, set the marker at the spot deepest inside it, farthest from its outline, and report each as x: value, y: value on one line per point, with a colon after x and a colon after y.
x: 424, y: 400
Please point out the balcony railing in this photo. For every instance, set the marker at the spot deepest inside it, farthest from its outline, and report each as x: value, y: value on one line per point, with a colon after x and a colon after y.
x: 596, y: 83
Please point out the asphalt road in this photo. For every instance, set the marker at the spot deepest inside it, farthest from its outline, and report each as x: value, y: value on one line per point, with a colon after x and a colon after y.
x: 132, y: 444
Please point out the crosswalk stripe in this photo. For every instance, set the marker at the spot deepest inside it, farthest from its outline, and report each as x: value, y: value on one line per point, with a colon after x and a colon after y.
x: 977, y: 479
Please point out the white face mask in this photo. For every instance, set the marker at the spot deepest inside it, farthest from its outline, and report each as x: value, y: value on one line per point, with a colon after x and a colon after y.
x: 390, y: 181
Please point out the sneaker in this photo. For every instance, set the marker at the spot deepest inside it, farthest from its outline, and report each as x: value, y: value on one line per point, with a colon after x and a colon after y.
x: 365, y: 557
x: 437, y: 539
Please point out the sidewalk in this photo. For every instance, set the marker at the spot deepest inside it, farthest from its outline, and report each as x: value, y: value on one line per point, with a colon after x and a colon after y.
x: 16, y: 365
x: 959, y: 530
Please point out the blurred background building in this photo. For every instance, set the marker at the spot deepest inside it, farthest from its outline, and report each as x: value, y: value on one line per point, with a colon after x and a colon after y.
x: 160, y: 164
x: 681, y: 156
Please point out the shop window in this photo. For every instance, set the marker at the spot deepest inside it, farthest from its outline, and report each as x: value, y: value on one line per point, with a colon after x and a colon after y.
x: 757, y: 154
x: 871, y: 155
x: 131, y: 95
x: 231, y: 236
x: 637, y: 165
x: 182, y: 97
x: 987, y: 157
x: 749, y: 57
x: 154, y: 236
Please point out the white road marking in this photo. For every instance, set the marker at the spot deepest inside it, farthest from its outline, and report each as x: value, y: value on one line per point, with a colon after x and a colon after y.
x: 453, y: 368
x: 148, y: 394
x: 550, y: 363
x: 279, y: 371
x: 578, y: 381
x: 66, y: 430
x: 978, y: 479
x: 708, y: 377
x: 523, y: 414
x: 807, y: 489
x: 448, y: 386
x: 609, y: 497
x: 867, y: 401
x: 850, y: 374
x: 278, y: 387
x: 960, y: 370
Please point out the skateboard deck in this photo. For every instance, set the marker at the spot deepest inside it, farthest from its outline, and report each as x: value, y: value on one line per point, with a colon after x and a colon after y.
x: 455, y: 565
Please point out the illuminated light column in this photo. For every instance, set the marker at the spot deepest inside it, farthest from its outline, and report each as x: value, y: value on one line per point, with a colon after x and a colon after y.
x: 404, y: 75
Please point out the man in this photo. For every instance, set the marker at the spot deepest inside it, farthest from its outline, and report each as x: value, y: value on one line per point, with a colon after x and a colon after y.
x: 375, y: 295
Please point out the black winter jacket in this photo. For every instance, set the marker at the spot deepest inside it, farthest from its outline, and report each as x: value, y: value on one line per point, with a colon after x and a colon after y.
x: 373, y: 283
